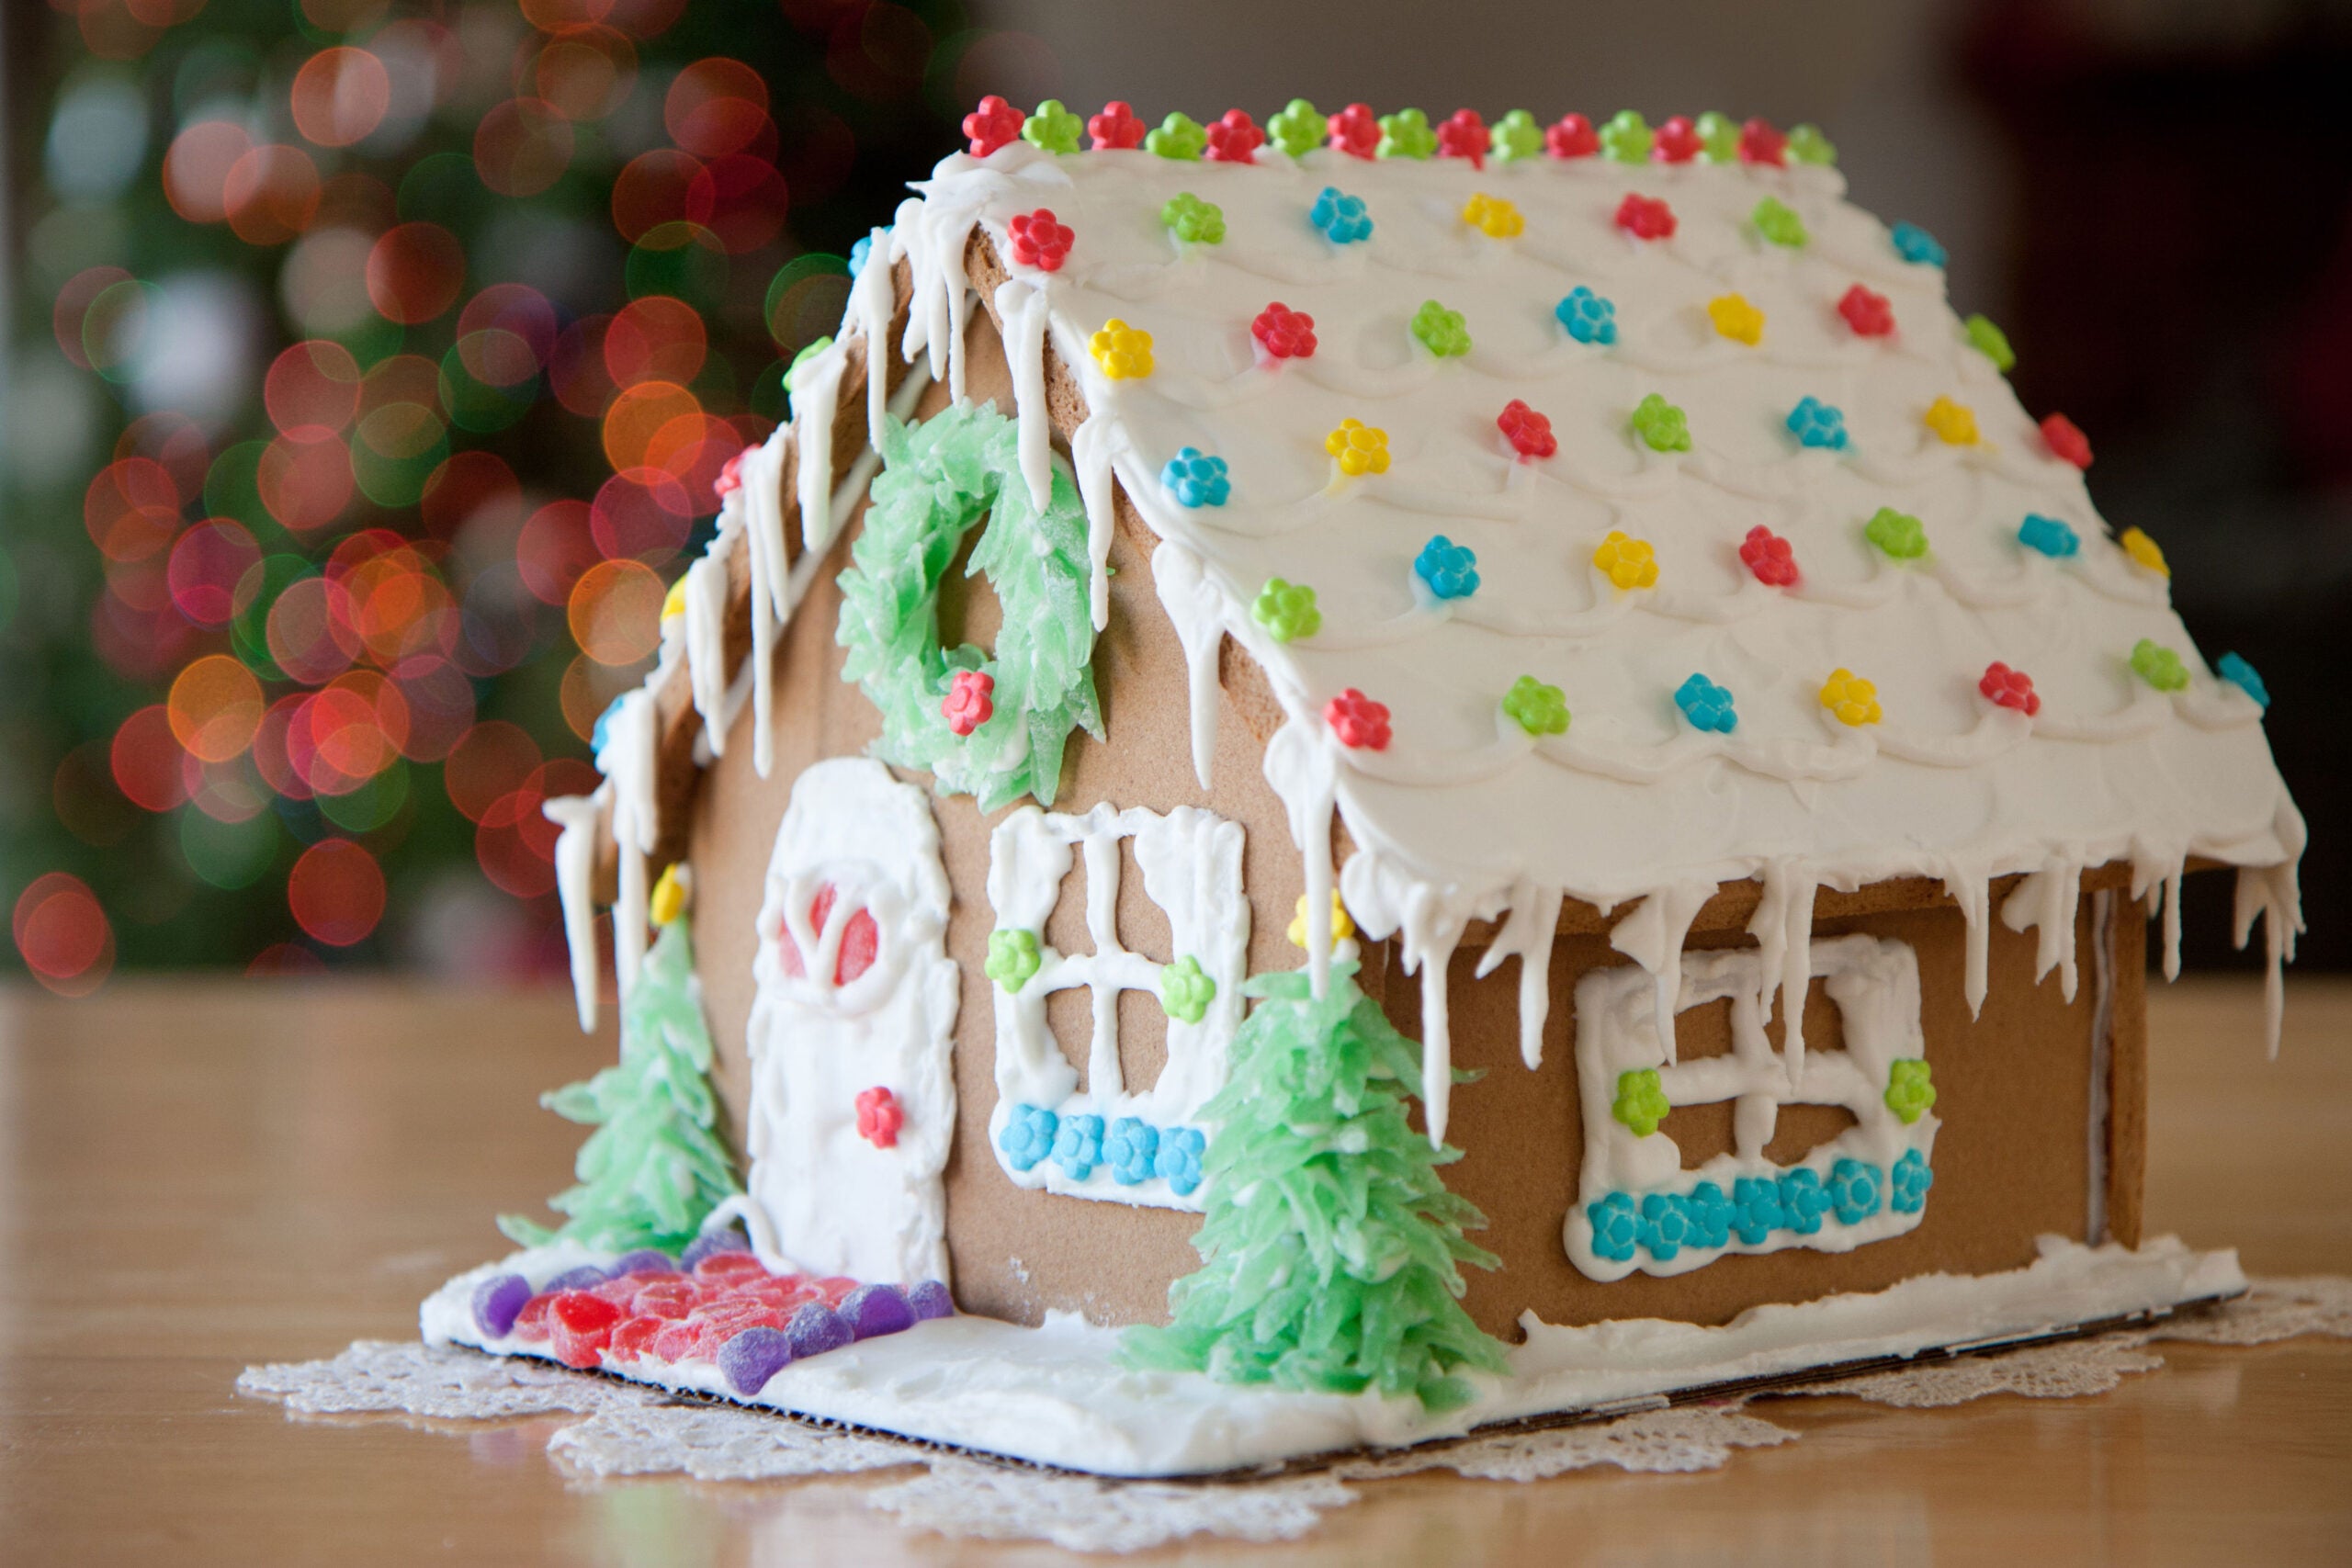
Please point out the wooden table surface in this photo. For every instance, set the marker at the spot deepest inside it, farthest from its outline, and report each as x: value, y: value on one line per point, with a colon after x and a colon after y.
x: 196, y: 1176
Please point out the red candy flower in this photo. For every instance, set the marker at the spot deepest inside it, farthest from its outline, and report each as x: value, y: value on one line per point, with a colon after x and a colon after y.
x: 1038, y: 240
x: 1233, y: 138
x: 1772, y: 558
x: 1355, y: 131
x: 1646, y: 217
x: 2066, y: 440
x: 1572, y: 138
x: 879, y: 1117
x: 1759, y: 144
x: 1677, y: 141
x: 1463, y: 135
x: 967, y: 705
x: 1530, y: 432
x: 1117, y: 129
x: 730, y: 474
x: 1286, y: 333
x: 2010, y: 688
x: 992, y: 125
x: 1868, y: 313
x: 1359, y: 722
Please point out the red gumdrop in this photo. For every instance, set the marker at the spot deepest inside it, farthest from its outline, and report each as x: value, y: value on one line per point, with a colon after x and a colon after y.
x: 1232, y: 137
x: 727, y: 1267
x: 1117, y: 129
x: 667, y: 1298
x: 675, y: 1341
x: 1573, y: 137
x: 1355, y: 131
x: 1772, y: 558
x: 2066, y: 440
x: 1040, y: 240
x: 531, y: 1322
x: 1677, y: 141
x: 581, y: 1325
x: 1646, y: 217
x: 1759, y: 144
x: 835, y: 1290
x: 620, y: 1292
x: 1867, y: 312
x: 1286, y: 333
x: 634, y: 1336
x: 994, y: 125
x: 1359, y: 722
x: 1463, y: 135
x: 1529, y: 431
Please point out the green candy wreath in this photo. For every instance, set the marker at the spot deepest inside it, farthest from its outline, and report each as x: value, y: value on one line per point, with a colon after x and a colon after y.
x: 938, y: 479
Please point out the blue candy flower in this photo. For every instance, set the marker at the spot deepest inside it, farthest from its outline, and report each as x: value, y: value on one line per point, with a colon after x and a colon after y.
x: 1615, y: 1227
x: 1803, y: 1200
x: 1853, y: 1190
x: 1077, y: 1147
x: 1817, y: 423
x: 1342, y: 218
x: 1666, y: 1225
x: 1196, y: 479
x: 1179, y: 1158
x: 1587, y: 316
x: 1450, y: 570
x: 2234, y: 669
x: 1756, y: 1210
x: 2048, y: 536
x: 1710, y: 1215
x: 1912, y: 1180
x: 1132, y: 1148
x: 1918, y: 247
x: 602, y: 728
x: 1028, y: 1135
x: 1706, y: 705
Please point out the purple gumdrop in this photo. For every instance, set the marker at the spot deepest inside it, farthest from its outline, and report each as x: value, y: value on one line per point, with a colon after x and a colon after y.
x: 817, y: 1328
x: 930, y: 1300
x: 587, y: 1277
x: 496, y: 1302
x: 711, y: 1242
x: 644, y: 1260
x: 752, y: 1357
x: 872, y: 1311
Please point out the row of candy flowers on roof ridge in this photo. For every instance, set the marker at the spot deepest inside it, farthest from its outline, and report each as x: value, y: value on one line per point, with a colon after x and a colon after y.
x: 1298, y: 128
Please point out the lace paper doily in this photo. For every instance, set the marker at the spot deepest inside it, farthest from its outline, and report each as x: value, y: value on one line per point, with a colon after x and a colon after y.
x: 634, y: 1430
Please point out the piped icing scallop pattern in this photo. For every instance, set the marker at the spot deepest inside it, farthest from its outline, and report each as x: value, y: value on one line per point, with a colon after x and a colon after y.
x: 1823, y: 604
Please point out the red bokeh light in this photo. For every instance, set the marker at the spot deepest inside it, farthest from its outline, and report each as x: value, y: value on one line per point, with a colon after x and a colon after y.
x: 576, y: 371
x: 64, y: 934
x: 305, y: 484
x: 505, y: 334
x: 642, y: 514
x: 557, y: 543
x: 73, y: 303
x: 337, y: 893
x: 196, y: 169
x: 146, y: 760
x: 308, y: 631
x: 655, y: 339
x: 522, y: 146
x: 470, y: 486
x: 490, y: 762
x: 285, y: 958
x: 271, y: 194
x: 339, y: 96
x: 212, y: 573
x: 415, y: 272
x: 651, y: 189
x: 586, y: 71
x: 714, y: 106
x: 312, y: 390
x: 131, y: 509
x: 740, y: 198
x: 638, y: 415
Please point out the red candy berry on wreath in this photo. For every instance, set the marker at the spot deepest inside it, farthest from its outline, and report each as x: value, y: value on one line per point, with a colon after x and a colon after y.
x: 1759, y: 144
x: 1233, y: 138
x: 879, y: 1117
x: 1117, y: 129
x: 1677, y: 141
x: 968, y: 706
x: 2010, y: 688
x: 1772, y: 558
x: 1463, y: 135
x: 1355, y: 131
x: 1283, y: 332
x: 1573, y: 137
x: 1530, y: 432
x: 2066, y: 440
x: 1038, y: 240
x: 1646, y: 217
x: 731, y: 475
x: 994, y: 125
x: 1867, y: 312
x: 1359, y: 722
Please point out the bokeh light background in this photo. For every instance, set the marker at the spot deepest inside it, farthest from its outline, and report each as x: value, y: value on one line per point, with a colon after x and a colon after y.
x: 370, y: 366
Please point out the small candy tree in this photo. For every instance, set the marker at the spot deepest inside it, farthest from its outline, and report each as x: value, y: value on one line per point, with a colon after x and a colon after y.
x: 1331, y: 1249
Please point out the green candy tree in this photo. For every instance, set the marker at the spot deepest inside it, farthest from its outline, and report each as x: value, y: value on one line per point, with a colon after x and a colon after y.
x: 654, y: 1169
x: 1331, y: 1252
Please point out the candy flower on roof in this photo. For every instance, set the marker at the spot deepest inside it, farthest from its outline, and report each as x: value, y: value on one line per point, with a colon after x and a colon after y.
x: 730, y: 474
x: 1193, y: 221
x: 1851, y: 699
x: 1529, y: 433
x: 2008, y: 688
x: 1900, y: 534
x: 1446, y: 570
x: 879, y: 1117
x: 1771, y: 557
x: 1736, y: 319
x: 1537, y: 708
x: 1866, y: 312
x: 1817, y: 423
x: 1646, y: 217
x: 2065, y: 440
x: 1233, y: 138
x: 1359, y: 447
x: 1588, y: 317
x: 1760, y: 143
x: 1677, y: 141
x: 1196, y: 479
x: 1284, y: 333
x: 1463, y: 135
x: 1297, y: 128
x: 1052, y: 129
x: 1287, y: 610
x: 1406, y: 134
x: 2048, y: 535
x: 1342, y: 218
x: 1178, y: 138
x: 1357, y: 722
x: 1660, y: 425
x: 1990, y: 340
x: 1718, y: 137
x: 1626, y: 562
x: 1707, y: 705
x: 1571, y: 136
x: 1779, y: 223
x: 1626, y: 138
x: 2144, y: 550
x: 994, y: 125
x: 1440, y: 331
x: 1493, y: 217
x: 1124, y: 352
x: 2233, y: 667
x: 1117, y: 129
x: 1954, y: 423
x: 1354, y: 131
x: 2159, y: 666
x: 1039, y: 240
x: 1514, y: 137
x: 1915, y: 245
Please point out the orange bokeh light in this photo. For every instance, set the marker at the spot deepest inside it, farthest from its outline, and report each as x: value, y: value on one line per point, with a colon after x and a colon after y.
x: 637, y: 414
x: 215, y: 706
x: 616, y: 612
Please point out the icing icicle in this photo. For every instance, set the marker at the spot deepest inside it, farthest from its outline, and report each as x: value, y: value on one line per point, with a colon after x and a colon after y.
x: 2045, y: 901
x: 1300, y: 768
x: 706, y: 630
x: 1528, y: 934
x: 1783, y: 927
x: 1196, y: 609
x: 629, y: 761
x: 1091, y: 453
x: 1652, y: 937
x: 575, y: 871
x: 1972, y: 889
x: 814, y: 403
x: 1022, y: 306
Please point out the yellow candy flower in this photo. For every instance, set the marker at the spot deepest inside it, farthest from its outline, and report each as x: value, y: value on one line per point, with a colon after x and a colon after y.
x: 1124, y: 352
x: 1954, y: 421
x: 2144, y: 550
x: 1628, y: 562
x: 1498, y: 219
x: 1361, y: 448
x: 1736, y: 318
x: 1851, y: 698
x: 1342, y: 928
x: 673, y: 603
x: 669, y: 899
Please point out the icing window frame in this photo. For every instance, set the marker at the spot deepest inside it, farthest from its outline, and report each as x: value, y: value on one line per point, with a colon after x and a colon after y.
x: 1636, y: 1208
x: 1109, y: 1142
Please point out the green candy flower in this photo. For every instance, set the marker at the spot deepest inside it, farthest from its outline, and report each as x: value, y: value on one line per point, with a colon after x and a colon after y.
x: 2159, y: 666
x: 1991, y: 341
x: 1179, y: 137
x: 1908, y: 1091
x: 1808, y: 145
x: 1626, y: 138
x: 1052, y: 129
x: 1536, y: 707
x: 1661, y: 426
x: 1287, y: 610
x: 1778, y: 221
x: 1641, y: 1101
x: 1185, y: 991
x: 1899, y: 533
x: 1515, y: 136
x: 1012, y: 958
x: 1406, y: 134
x: 1194, y: 221
x: 1441, y: 331
x: 1718, y: 137
x: 1297, y: 129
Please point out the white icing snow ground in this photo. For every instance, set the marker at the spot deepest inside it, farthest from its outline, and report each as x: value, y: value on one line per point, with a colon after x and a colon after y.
x: 1054, y: 1395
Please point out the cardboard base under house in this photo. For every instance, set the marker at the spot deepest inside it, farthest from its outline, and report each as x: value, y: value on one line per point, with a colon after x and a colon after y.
x: 1054, y: 1395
